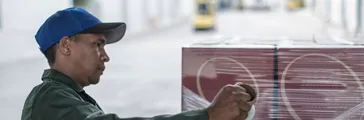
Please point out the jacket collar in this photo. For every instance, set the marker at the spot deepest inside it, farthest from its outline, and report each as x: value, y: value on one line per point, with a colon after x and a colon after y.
x: 51, y: 74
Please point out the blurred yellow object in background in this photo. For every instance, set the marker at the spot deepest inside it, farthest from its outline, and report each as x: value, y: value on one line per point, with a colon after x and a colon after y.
x: 205, y: 14
x: 295, y: 4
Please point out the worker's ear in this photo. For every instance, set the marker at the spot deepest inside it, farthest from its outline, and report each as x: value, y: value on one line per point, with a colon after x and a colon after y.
x: 64, y: 46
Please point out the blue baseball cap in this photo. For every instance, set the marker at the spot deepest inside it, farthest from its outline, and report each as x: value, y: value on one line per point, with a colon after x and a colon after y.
x: 72, y: 21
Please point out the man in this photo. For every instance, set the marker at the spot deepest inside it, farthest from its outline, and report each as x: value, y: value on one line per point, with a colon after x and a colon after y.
x: 73, y: 41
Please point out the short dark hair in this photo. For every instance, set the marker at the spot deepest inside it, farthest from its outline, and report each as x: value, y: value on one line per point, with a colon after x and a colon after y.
x: 50, y: 54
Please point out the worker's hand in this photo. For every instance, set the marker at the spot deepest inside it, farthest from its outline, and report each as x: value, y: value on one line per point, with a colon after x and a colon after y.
x: 231, y: 102
x: 250, y: 90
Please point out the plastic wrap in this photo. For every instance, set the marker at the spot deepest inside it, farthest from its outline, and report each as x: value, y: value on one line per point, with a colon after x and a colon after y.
x: 295, y: 81
x: 192, y: 101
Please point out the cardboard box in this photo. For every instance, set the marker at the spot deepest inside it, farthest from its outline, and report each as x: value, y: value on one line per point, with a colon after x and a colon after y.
x: 320, y: 82
x: 294, y: 82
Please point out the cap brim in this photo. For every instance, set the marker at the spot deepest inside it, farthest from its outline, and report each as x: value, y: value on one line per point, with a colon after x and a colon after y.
x: 114, y: 32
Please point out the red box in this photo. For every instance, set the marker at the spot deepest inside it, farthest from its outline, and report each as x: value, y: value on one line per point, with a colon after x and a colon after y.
x: 322, y: 82
x: 206, y: 70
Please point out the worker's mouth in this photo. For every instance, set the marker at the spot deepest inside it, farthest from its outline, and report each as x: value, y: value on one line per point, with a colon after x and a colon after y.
x: 101, y: 69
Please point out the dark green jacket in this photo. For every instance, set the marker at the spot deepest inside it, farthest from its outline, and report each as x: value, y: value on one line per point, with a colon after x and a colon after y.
x: 60, y: 98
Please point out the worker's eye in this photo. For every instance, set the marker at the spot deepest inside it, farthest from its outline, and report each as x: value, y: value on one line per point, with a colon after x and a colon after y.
x: 98, y: 44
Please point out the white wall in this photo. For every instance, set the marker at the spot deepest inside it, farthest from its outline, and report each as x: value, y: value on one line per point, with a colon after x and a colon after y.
x: 135, y: 21
x: 335, y: 15
x: 138, y: 14
x: 114, y: 11
x: 322, y: 8
x: 187, y: 7
x: 28, y: 15
x: 152, y: 12
x: 141, y: 15
x: 351, y: 12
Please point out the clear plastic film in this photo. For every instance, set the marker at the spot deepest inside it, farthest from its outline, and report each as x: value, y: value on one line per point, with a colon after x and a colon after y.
x: 192, y: 101
x: 294, y: 81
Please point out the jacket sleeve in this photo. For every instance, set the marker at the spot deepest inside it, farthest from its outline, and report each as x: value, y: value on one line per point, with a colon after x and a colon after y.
x: 65, y: 105
x: 200, y: 114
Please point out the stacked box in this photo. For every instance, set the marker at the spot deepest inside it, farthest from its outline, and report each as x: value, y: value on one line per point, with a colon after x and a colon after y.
x: 206, y: 70
x: 301, y: 82
x: 320, y: 82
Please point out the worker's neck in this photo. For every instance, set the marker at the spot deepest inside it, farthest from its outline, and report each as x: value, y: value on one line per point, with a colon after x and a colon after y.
x: 70, y: 72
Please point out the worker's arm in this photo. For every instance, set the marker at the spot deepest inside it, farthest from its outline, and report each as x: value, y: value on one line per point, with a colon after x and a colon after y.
x: 65, y: 105
x: 187, y: 115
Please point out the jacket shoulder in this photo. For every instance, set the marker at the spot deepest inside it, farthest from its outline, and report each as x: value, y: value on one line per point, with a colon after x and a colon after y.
x: 44, y: 94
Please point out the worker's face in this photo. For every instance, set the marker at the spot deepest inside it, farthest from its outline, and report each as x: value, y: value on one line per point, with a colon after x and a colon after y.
x: 89, y: 56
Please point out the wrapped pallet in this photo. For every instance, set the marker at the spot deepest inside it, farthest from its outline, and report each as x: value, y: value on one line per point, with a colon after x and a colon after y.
x: 294, y: 79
